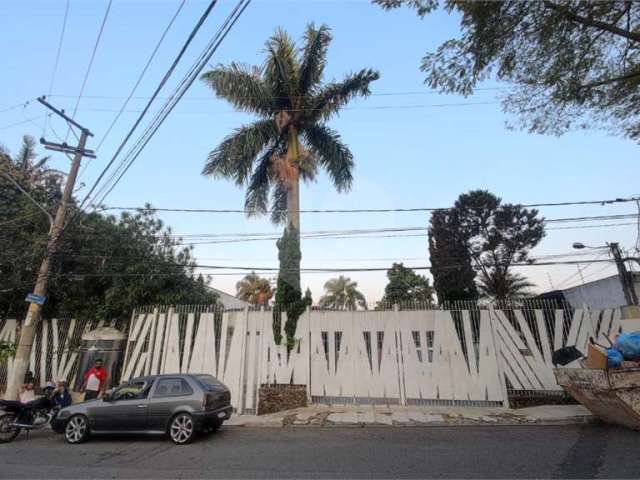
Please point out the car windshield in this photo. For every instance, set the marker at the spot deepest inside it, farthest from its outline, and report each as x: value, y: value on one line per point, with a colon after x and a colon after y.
x: 209, y: 382
x: 130, y: 390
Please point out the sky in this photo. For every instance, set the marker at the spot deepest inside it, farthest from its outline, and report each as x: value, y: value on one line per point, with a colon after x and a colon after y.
x: 412, y: 147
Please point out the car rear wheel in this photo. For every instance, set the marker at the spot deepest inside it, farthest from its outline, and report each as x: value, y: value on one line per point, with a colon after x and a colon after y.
x: 182, y: 429
x: 7, y: 431
x: 77, y: 429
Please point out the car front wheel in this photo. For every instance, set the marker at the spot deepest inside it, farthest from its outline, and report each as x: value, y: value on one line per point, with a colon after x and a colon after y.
x: 77, y: 429
x: 182, y: 429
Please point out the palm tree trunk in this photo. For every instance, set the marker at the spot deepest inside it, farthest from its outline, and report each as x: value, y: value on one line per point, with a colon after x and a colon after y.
x: 293, y: 190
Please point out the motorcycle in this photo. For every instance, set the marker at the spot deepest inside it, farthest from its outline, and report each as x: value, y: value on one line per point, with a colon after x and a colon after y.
x: 34, y: 415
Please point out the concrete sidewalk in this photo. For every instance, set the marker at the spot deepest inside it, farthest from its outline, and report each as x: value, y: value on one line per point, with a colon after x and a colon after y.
x: 401, y: 416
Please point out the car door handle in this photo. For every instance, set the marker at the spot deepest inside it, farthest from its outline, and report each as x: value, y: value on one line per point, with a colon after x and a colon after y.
x: 141, y: 406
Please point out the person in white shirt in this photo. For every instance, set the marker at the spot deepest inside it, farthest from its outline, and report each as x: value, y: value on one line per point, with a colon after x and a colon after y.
x: 27, y: 393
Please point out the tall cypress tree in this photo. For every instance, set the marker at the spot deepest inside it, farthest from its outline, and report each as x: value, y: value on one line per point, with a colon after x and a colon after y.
x: 453, y: 274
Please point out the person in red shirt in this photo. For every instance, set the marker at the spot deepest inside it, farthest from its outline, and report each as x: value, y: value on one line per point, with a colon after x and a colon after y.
x: 95, y: 381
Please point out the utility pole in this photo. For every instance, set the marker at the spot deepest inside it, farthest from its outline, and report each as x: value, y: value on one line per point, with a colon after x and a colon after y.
x: 625, y: 276
x: 38, y: 297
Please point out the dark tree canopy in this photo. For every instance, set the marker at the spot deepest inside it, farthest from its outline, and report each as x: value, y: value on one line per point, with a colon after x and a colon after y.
x: 451, y: 266
x: 104, y: 267
x: 570, y: 63
x: 497, y: 236
x: 405, y: 286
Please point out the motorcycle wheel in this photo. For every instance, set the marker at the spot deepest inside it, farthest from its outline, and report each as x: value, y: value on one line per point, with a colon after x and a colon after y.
x: 7, y: 431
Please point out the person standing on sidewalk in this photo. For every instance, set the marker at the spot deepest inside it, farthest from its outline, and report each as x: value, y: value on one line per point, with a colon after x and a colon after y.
x: 95, y: 381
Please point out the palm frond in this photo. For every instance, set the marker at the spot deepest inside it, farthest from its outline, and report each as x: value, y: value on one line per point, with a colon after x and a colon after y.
x: 307, y: 167
x: 235, y: 156
x: 281, y: 68
x: 314, y: 57
x: 243, y: 87
x: 257, y: 196
x: 279, y: 204
x: 27, y: 154
x: 40, y: 163
x: 329, y: 151
x: 332, y: 97
x: 500, y: 285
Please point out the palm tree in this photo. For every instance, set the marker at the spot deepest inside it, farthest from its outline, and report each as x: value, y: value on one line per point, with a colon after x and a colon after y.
x: 290, y: 141
x: 254, y: 289
x: 32, y: 169
x: 342, y: 293
x: 508, y: 286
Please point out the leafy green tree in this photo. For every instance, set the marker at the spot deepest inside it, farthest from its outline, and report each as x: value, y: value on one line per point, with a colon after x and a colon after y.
x: 291, y: 140
x: 342, y: 293
x: 497, y: 235
x: 571, y: 63
x: 451, y: 265
x: 254, y: 289
x: 7, y: 351
x: 109, y: 265
x: 105, y: 265
x: 406, y: 286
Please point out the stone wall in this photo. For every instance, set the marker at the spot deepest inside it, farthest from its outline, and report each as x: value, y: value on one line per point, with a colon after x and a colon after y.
x: 278, y: 397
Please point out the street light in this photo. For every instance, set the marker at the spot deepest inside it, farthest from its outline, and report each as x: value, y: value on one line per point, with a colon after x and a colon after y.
x: 625, y: 277
x: 580, y: 246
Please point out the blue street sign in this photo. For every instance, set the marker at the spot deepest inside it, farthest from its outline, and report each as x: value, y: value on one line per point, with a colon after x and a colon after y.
x: 33, y: 298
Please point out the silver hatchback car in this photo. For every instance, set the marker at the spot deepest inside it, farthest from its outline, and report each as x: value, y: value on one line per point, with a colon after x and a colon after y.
x: 179, y: 405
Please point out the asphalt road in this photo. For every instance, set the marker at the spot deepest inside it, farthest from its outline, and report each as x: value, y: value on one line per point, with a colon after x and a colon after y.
x: 412, y: 452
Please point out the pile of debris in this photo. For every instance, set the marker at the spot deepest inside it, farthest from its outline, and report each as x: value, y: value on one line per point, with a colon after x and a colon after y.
x: 624, y: 352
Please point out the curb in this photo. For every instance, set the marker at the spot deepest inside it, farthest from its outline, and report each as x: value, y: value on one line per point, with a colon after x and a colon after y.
x: 587, y: 420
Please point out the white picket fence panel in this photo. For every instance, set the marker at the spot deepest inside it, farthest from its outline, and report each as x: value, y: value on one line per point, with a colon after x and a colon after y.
x: 376, y: 356
x: 390, y: 356
x: 55, y: 350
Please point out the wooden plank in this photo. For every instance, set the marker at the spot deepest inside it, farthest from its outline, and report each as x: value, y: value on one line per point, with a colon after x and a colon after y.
x: 54, y: 357
x: 158, y: 344
x: 172, y: 345
x: 558, y: 332
x: 44, y: 348
x: 136, y: 357
x: 186, y: 350
x: 576, y: 322
x: 544, y: 336
x: 151, y: 343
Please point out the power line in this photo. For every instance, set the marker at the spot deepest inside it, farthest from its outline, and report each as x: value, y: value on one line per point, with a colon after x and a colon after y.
x: 364, y: 230
x: 163, y: 81
x: 198, y: 98
x: 142, y: 73
x: 59, y: 51
x: 364, y: 107
x: 179, y: 92
x: 28, y: 120
x: 93, y: 55
x: 17, y: 105
x: 368, y: 210
x: 601, y: 225
x: 241, y: 270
